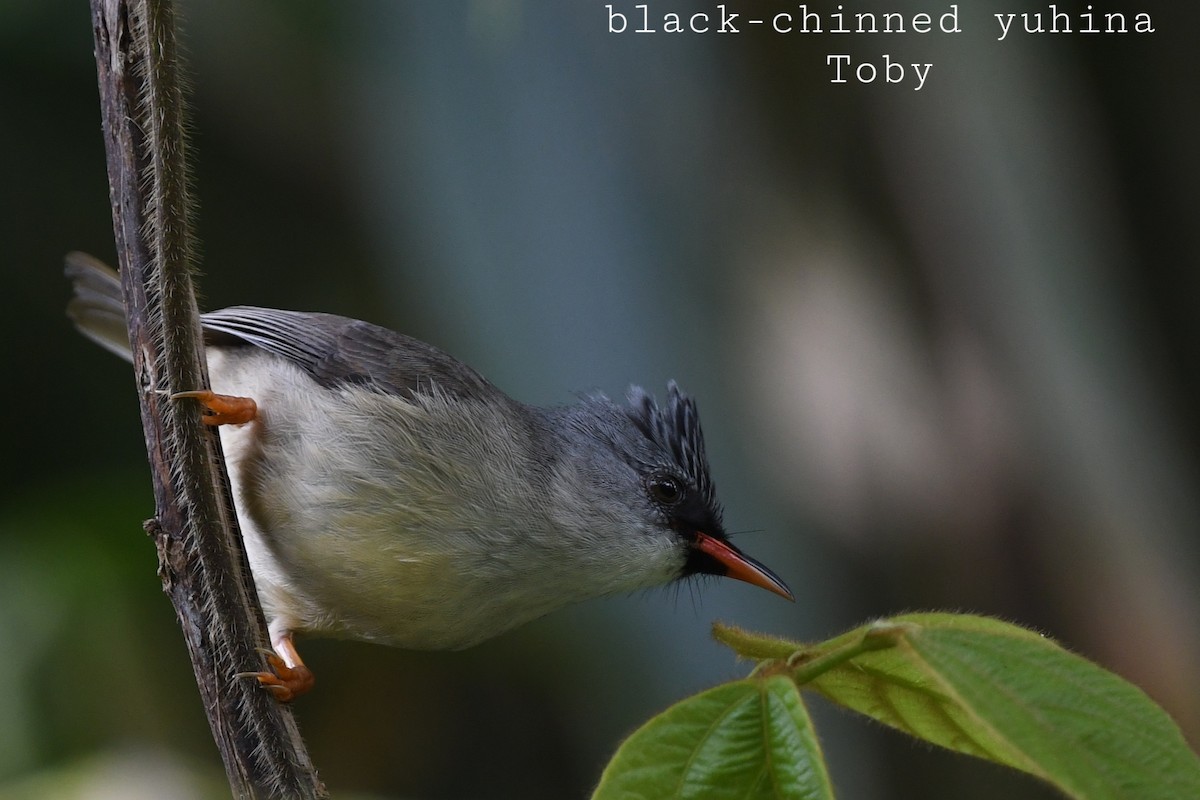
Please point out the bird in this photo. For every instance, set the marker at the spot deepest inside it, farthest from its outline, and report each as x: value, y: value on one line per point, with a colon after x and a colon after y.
x: 388, y: 492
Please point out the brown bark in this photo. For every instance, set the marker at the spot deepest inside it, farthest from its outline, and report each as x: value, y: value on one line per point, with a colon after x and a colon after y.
x: 201, y: 560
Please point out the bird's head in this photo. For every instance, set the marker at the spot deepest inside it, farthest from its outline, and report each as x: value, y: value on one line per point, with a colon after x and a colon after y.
x: 648, y: 478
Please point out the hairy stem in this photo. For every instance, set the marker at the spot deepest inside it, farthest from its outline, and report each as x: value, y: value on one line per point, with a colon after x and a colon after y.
x: 201, y: 561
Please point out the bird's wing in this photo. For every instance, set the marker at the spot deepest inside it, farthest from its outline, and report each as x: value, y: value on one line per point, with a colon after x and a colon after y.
x: 337, y: 350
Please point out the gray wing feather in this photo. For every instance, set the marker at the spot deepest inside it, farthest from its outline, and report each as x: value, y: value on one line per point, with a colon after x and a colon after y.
x: 336, y: 351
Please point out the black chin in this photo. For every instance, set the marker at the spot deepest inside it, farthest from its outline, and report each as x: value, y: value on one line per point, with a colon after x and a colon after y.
x: 698, y: 562
x: 694, y: 516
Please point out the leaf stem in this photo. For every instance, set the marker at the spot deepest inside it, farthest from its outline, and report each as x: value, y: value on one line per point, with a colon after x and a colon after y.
x: 807, y: 667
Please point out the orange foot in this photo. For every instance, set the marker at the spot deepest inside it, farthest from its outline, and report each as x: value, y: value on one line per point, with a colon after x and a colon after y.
x: 288, y: 678
x: 224, y: 409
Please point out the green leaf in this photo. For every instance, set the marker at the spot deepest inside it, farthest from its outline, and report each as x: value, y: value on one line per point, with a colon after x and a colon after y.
x: 747, y: 740
x: 753, y: 645
x: 993, y: 690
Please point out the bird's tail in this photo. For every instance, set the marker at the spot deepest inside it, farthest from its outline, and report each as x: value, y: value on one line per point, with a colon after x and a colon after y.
x: 96, y: 307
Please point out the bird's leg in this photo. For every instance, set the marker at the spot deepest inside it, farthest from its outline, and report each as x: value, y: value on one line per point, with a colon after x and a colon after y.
x: 223, y: 409
x: 289, y: 677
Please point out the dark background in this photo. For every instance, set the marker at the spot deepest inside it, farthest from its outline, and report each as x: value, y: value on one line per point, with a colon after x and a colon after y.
x: 944, y: 343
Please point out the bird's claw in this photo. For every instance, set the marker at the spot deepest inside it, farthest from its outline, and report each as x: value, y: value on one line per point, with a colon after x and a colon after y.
x: 223, y: 409
x: 285, y: 682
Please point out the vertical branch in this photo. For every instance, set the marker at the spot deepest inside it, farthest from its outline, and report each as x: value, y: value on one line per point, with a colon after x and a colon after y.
x: 201, y: 560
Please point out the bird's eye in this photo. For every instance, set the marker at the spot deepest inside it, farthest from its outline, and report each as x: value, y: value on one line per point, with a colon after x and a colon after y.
x: 665, y: 489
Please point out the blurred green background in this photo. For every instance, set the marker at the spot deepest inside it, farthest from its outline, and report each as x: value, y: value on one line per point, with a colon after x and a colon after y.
x: 944, y: 343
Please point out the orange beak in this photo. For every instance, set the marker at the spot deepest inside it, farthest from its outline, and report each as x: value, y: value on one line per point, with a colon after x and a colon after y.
x: 740, y: 566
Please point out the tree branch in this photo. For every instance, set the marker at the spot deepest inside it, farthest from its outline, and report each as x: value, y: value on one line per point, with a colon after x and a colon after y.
x: 201, y: 560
